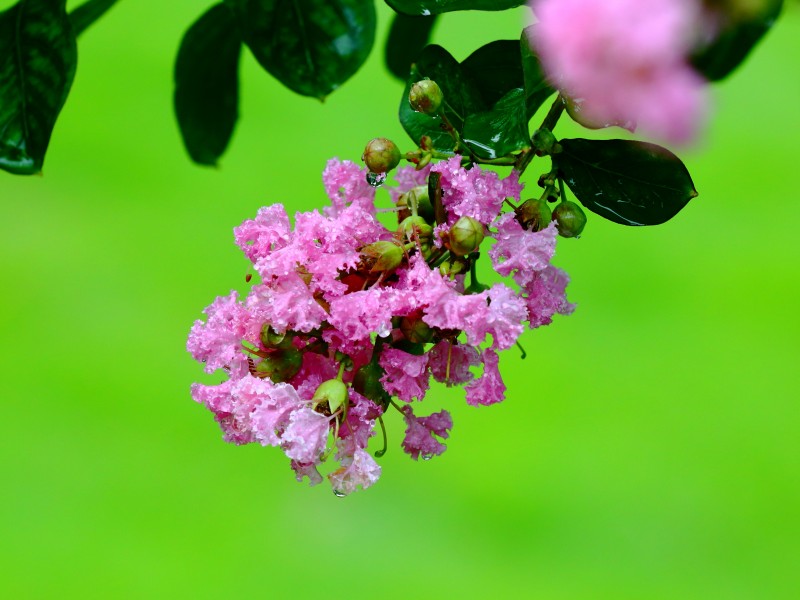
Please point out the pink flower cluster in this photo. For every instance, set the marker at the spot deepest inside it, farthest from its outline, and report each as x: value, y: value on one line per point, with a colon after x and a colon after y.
x: 351, y: 318
x: 624, y: 62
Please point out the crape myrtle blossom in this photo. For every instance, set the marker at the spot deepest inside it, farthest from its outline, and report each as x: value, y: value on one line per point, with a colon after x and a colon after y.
x: 351, y: 318
x: 625, y: 62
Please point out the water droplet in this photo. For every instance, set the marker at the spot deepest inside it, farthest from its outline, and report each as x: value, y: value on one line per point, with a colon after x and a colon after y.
x: 338, y: 493
x: 427, y: 456
x: 375, y: 179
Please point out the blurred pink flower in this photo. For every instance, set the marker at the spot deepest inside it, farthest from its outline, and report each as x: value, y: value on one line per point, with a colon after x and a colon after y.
x: 623, y: 62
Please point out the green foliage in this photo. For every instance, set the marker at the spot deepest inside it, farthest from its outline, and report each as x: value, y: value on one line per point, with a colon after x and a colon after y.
x: 310, y: 46
x: 407, y: 37
x: 734, y: 43
x: 628, y: 182
x: 38, y: 57
x: 207, y: 84
x: 435, y: 7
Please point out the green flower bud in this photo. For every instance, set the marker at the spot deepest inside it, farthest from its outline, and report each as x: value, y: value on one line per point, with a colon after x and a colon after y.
x: 570, y: 219
x: 417, y: 224
x: 544, y: 141
x: 465, y: 236
x: 382, y: 256
x: 272, y: 339
x: 332, y: 392
x: 280, y: 366
x: 381, y: 155
x: 426, y: 97
x: 534, y: 214
x: 367, y: 382
x: 416, y: 330
x: 418, y: 195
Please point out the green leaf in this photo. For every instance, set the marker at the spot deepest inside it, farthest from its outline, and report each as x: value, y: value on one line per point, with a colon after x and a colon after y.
x: 87, y: 13
x: 407, y: 37
x: 501, y: 130
x: 628, y: 182
x: 537, y: 90
x: 207, y: 84
x: 734, y: 43
x: 38, y: 56
x: 496, y: 68
x: 436, y: 7
x: 310, y: 46
x: 461, y: 97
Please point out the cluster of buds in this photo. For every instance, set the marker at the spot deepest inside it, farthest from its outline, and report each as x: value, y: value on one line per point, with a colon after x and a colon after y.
x: 352, y: 319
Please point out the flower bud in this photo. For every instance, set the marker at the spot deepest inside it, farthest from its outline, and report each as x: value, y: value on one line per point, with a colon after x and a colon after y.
x: 280, y: 366
x: 426, y: 97
x: 272, y: 339
x: 381, y: 155
x: 544, y: 142
x: 465, y: 236
x: 570, y: 219
x: 418, y: 195
x: 382, y: 256
x: 534, y: 214
x: 417, y: 224
x: 416, y: 330
x: 333, y: 392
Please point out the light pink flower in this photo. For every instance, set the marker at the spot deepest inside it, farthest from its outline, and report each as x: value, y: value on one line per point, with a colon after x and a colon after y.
x: 625, y: 62
x: 346, y: 183
x: 305, y: 435
x: 359, y: 471
x: 519, y: 251
x: 489, y: 387
x: 406, y: 374
x: 545, y: 295
x: 420, y: 431
x: 218, y: 341
x: 260, y: 237
x: 408, y: 178
x: 502, y: 317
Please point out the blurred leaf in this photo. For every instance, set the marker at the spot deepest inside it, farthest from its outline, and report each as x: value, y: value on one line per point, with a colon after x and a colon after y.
x: 501, y: 130
x: 537, y: 90
x: 496, y: 68
x: 38, y: 56
x: 207, y: 84
x: 736, y: 40
x: 87, y: 13
x: 310, y: 46
x: 628, y: 182
x: 435, y: 7
x: 407, y: 37
x: 461, y: 97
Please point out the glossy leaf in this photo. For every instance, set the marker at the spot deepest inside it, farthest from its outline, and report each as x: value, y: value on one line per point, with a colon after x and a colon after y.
x: 407, y: 37
x: 207, y: 84
x: 436, y: 7
x: 461, y: 97
x: 537, y: 89
x: 628, y: 182
x: 310, y: 46
x: 38, y: 57
x: 734, y: 43
x: 501, y: 130
x: 496, y: 68
x: 87, y: 13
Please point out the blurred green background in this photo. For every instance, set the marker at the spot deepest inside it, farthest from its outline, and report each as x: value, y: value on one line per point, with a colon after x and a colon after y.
x: 648, y: 447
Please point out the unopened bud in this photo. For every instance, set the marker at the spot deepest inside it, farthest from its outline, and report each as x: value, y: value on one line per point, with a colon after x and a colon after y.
x: 382, y: 256
x: 412, y: 227
x: 272, y: 339
x: 534, y: 214
x: 426, y: 97
x: 333, y: 392
x: 419, y: 196
x: 544, y: 141
x: 416, y: 330
x: 465, y: 236
x: 280, y: 366
x: 381, y: 155
x: 570, y: 219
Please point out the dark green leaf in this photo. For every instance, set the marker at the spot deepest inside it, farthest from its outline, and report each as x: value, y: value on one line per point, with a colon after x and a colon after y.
x: 501, y: 130
x: 310, y: 46
x: 496, y: 68
x: 461, y: 97
x: 537, y: 90
x: 734, y: 43
x: 407, y: 37
x: 207, y: 84
x: 87, y: 13
x: 632, y: 183
x: 38, y: 56
x: 435, y: 7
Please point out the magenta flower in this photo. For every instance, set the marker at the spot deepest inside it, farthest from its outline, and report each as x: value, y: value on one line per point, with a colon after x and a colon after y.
x: 406, y: 374
x: 421, y: 433
x: 624, y: 62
